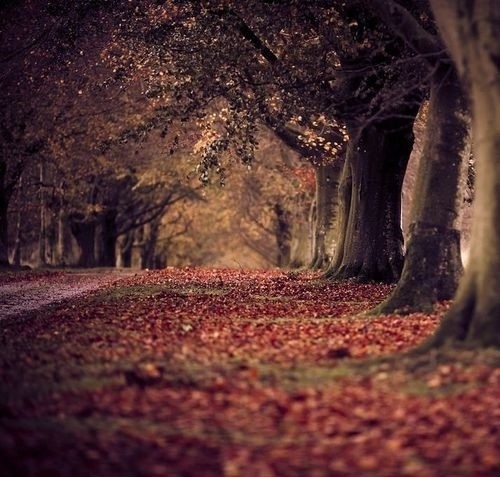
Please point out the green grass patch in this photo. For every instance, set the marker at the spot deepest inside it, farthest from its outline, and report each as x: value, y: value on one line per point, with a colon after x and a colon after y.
x: 299, y: 377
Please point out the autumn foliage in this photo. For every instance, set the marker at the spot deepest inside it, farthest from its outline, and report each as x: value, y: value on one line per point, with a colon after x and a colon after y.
x: 239, y: 373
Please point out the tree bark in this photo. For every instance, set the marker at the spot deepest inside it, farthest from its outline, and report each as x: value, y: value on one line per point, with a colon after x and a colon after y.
x: 326, y: 223
x: 4, y: 231
x: 282, y: 233
x: 42, y: 238
x: 433, y: 264
x: 16, y: 253
x: 107, y: 235
x: 7, y: 184
x: 150, y: 242
x: 84, y: 233
x: 61, y: 246
x: 475, y: 315
x: 370, y: 243
x: 299, y: 243
x: 125, y: 243
x: 345, y: 191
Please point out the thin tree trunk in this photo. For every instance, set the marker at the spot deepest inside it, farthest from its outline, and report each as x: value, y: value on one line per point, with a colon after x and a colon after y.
x: 84, y: 233
x: 4, y: 231
x: 139, y: 241
x: 107, y: 235
x: 42, y: 238
x: 149, y: 244
x: 327, y: 185
x: 345, y: 191
x: 283, y: 237
x: 5, y: 195
x: 312, y: 235
x: 433, y: 264
x: 61, y: 259
x: 4, y: 220
x: 299, y: 243
x: 16, y: 254
x: 125, y: 244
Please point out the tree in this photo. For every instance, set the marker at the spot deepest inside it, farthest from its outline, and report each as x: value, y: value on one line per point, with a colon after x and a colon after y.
x: 380, y: 96
x: 469, y: 30
x: 433, y: 263
x: 10, y: 174
x: 326, y: 205
x: 370, y: 245
x: 52, y: 54
x: 20, y: 144
x: 222, y: 49
x: 324, y: 148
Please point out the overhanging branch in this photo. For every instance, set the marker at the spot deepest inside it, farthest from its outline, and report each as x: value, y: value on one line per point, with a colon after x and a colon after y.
x: 406, y: 26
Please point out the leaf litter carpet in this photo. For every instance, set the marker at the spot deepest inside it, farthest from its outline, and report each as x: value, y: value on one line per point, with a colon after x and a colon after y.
x: 208, y: 372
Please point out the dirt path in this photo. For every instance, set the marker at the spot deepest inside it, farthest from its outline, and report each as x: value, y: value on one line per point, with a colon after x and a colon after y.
x: 27, y: 295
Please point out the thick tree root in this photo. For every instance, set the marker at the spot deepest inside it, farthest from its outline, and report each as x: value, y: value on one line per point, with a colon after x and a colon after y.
x: 361, y: 274
x: 467, y: 324
x: 431, y: 272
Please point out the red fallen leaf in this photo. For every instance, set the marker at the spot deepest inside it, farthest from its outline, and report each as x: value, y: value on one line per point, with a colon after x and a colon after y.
x: 368, y: 462
x: 211, y: 411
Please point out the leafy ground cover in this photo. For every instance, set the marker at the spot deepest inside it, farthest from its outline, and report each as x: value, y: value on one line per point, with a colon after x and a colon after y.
x: 240, y: 373
x: 26, y: 291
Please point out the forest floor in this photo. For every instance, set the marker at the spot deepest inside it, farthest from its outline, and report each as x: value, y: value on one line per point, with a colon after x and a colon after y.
x: 25, y: 291
x: 207, y: 372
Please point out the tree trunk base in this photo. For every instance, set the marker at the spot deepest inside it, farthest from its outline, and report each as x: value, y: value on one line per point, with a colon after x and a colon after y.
x: 320, y: 263
x: 431, y: 273
x: 472, y: 321
x: 361, y: 274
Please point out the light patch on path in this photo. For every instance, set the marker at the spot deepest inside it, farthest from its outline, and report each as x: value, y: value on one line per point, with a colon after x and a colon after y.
x: 21, y: 297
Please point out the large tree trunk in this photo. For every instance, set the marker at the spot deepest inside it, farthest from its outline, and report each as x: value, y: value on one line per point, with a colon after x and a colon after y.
x: 326, y: 223
x: 370, y: 245
x: 433, y: 264
x: 475, y: 315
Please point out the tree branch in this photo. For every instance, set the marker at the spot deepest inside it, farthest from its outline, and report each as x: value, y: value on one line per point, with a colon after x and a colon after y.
x: 250, y: 36
x: 44, y: 34
x: 406, y: 26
